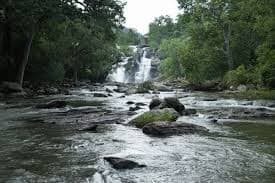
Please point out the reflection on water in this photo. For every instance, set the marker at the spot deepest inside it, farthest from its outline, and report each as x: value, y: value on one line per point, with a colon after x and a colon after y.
x: 33, y: 151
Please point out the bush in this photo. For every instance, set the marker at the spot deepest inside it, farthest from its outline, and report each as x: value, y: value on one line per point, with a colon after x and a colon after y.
x: 268, y: 74
x: 241, y: 76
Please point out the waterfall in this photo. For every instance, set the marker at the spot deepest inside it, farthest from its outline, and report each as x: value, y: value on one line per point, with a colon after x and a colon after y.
x: 144, y: 69
x: 135, y: 69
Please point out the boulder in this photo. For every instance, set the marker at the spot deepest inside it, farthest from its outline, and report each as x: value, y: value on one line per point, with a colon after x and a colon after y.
x: 170, y: 102
x: 173, y: 102
x: 155, y: 103
x: 10, y: 87
x: 167, y: 114
x: 168, y: 129
x: 53, y: 104
x: 120, y: 163
x: 100, y: 95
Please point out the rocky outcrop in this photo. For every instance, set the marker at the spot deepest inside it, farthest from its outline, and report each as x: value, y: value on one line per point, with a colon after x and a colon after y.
x: 168, y: 128
x: 120, y: 163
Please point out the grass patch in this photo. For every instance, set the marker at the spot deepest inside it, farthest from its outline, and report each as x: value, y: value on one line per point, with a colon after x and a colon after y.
x: 252, y: 94
x: 152, y: 116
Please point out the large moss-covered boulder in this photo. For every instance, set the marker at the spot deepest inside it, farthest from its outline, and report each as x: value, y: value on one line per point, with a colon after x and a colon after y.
x: 168, y: 115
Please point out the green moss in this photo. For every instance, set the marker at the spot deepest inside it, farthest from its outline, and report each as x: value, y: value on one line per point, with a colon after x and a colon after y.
x: 150, y: 117
x: 83, y: 103
x: 252, y: 94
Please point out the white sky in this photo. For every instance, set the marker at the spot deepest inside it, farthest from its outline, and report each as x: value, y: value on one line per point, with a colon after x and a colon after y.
x: 140, y: 13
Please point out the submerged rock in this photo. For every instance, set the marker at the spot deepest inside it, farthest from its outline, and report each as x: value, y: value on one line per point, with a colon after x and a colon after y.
x: 130, y: 103
x: 53, y: 104
x: 188, y: 112
x: 167, y: 114
x: 120, y: 163
x: 92, y: 128
x: 168, y: 129
x: 100, y: 95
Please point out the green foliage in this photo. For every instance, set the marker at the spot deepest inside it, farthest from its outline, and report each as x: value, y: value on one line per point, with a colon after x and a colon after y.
x: 128, y: 37
x: 66, y: 38
x: 218, y: 39
x: 150, y: 117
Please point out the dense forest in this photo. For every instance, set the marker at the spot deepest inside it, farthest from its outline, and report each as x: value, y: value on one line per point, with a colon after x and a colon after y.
x: 52, y: 40
x: 232, y: 41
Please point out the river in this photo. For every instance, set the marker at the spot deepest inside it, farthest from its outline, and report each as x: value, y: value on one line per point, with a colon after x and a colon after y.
x: 39, y: 145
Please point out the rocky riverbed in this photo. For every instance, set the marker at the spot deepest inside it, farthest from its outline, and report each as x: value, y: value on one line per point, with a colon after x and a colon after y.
x: 85, y: 137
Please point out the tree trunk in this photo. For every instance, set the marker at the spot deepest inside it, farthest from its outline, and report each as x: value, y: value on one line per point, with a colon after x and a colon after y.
x: 24, y: 62
x: 227, y: 37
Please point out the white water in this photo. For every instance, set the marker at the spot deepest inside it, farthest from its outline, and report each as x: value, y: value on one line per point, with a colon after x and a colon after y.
x: 143, y: 73
x: 120, y: 74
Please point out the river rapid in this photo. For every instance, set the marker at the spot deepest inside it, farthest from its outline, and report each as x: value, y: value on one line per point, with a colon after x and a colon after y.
x: 47, y: 145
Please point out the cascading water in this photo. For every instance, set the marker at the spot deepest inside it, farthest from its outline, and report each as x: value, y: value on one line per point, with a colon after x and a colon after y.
x: 136, y: 69
x: 144, y: 70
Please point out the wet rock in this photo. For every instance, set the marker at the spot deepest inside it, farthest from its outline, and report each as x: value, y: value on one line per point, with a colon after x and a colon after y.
x: 168, y: 129
x: 121, y: 89
x: 130, y: 103
x: 164, y: 88
x: 140, y: 104
x: 188, y: 112
x: 155, y: 103
x: 53, y: 104
x: 135, y: 108
x: 167, y: 114
x: 100, y: 95
x: 209, y: 99
x: 92, y: 128
x: 109, y: 90
x: 52, y: 91
x: 170, y: 102
x: 131, y: 91
x: 214, y: 121
x: 120, y: 163
x: 173, y: 102
x: 10, y: 87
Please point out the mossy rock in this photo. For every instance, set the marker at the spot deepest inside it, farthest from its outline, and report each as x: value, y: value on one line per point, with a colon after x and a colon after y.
x: 169, y: 115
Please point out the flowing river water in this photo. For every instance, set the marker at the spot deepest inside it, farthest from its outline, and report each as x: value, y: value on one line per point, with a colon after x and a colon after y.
x: 39, y: 145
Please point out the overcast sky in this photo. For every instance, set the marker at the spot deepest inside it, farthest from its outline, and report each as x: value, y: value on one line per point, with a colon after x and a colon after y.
x: 140, y: 13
